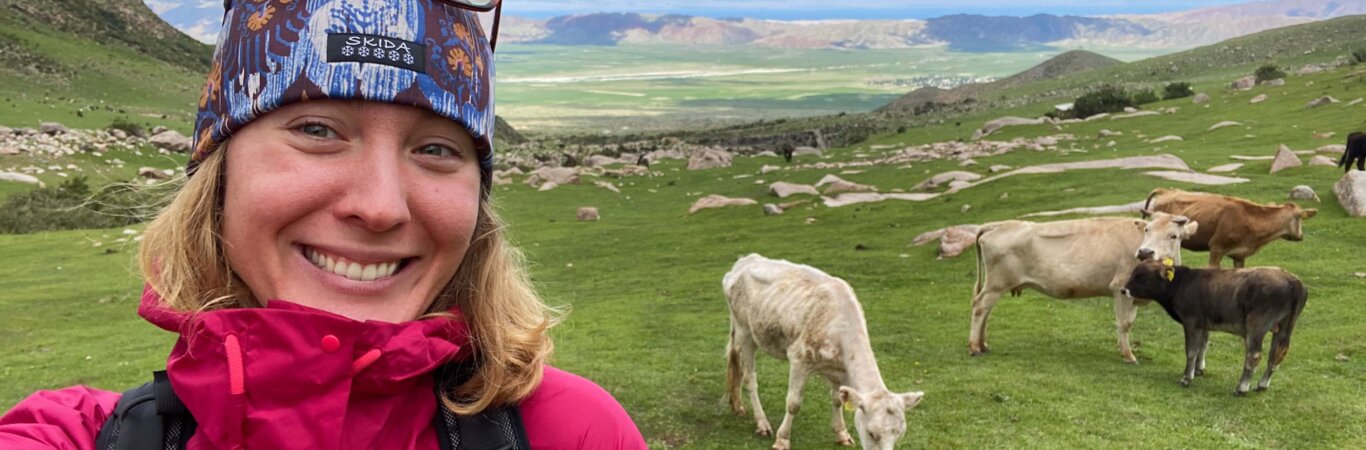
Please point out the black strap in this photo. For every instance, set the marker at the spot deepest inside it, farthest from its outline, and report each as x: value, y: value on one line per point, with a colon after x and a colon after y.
x: 151, y: 416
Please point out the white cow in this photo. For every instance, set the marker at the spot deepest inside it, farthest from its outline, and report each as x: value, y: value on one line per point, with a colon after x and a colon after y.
x: 800, y: 314
x: 1070, y: 259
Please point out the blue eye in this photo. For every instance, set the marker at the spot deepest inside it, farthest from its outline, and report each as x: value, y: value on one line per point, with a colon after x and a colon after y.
x: 317, y: 130
x: 439, y: 151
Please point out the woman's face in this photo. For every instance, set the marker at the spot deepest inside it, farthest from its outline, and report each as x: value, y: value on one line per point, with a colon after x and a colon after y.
x: 362, y: 209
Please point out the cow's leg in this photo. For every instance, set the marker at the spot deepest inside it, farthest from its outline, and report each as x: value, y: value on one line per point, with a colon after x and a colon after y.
x: 796, y: 379
x: 1216, y: 258
x: 837, y: 419
x: 981, y: 310
x: 748, y: 349
x: 1280, y: 345
x: 1254, y: 356
x: 1193, y: 346
x: 1125, y: 312
x: 1237, y: 261
x: 1204, y: 348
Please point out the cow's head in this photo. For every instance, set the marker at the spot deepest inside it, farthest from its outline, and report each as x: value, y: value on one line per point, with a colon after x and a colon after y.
x: 879, y: 415
x: 1295, y: 216
x: 1150, y: 279
x: 1162, y: 236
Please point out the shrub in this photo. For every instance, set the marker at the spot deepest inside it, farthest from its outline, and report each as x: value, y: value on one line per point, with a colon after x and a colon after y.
x: 128, y: 126
x: 1359, y: 56
x: 1269, y: 72
x: 1145, y: 96
x: 73, y: 206
x: 1106, y: 99
x: 1178, y: 89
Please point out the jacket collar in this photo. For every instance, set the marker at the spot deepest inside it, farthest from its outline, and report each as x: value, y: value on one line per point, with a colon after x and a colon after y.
x: 288, y: 373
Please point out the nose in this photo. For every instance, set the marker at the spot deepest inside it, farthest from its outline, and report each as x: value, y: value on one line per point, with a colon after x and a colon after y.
x: 1125, y: 291
x: 376, y: 198
x: 1145, y: 254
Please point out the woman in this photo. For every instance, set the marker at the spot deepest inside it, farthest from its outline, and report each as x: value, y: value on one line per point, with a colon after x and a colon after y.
x: 332, y: 263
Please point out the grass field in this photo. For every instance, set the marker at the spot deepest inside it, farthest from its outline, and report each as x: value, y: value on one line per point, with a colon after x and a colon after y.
x: 549, y: 88
x: 649, y: 322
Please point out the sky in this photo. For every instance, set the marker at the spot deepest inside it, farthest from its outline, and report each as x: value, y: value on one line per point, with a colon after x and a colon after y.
x: 200, y: 18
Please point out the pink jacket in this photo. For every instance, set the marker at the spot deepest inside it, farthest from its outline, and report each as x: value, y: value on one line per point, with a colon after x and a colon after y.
x: 287, y: 376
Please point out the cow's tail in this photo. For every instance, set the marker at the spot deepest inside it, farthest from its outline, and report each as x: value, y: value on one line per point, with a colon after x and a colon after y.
x: 1343, y: 161
x: 981, y: 260
x: 1287, y: 324
x: 734, y: 371
x: 1148, y: 204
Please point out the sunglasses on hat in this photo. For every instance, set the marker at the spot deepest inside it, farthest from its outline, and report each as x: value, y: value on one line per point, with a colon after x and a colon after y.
x: 482, y: 6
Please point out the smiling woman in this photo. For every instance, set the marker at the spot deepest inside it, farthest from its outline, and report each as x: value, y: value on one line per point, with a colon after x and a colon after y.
x: 332, y: 264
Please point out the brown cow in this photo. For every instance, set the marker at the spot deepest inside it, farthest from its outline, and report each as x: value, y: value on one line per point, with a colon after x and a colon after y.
x: 1230, y: 226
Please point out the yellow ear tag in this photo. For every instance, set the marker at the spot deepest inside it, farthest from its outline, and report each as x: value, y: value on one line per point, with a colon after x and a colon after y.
x: 1168, y: 262
x: 1171, y: 274
x: 848, y: 406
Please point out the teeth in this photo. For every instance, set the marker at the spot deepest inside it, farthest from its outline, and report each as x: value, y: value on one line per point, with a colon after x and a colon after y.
x: 349, y: 269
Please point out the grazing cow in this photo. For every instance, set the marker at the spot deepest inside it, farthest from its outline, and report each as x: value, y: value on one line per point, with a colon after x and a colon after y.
x: 1067, y: 260
x: 1245, y: 302
x: 1231, y: 226
x: 1356, y: 151
x: 798, y: 313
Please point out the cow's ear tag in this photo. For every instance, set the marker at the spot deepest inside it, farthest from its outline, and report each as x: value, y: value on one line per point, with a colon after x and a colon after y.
x: 1168, y: 262
x: 848, y: 406
x: 1171, y: 274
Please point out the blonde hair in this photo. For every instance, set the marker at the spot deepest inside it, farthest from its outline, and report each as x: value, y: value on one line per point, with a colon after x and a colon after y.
x: 182, y: 258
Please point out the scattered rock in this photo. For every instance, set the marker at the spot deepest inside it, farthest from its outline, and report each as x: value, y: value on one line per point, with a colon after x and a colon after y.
x: 587, y: 214
x: 783, y: 189
x: 842, y: 186
x: 1167, y: 138
x: 158, y: 130
x: 600, y: 161
x: 767, y: 169
x: 1244, y: 83
x: 19, y: 177
x: 1323, y: 135
x: 967, y: 162
x: 1354, y: 102
x: 607, y: 186
x: 793, y: 204
x: 1303, y: 192
x: 1226, y: 123
x: 1351, y: 193
x: 1008, y: 121
x: 1094, y: 210
x: 1342, y: 357
x: 1196, y: 177
x: 772, y: 209
x: 1285, y: 159
x: 1136, y: 114
x: 709, y: 159
x: 171, y: 140
x: 1320, y: 160
x: 1336, y: 148
x: 1097, y: 117
x: 1200, y: 99
x: 866, y: 197
x: 1108, y: 133
x: 1252, y: 158
x: 999, y: 168
x: 1258, y: 99
x: 717, y: 201
x: 152, y: 173
x: 52, y: 128
x: 1225, y: 168
x: 1004, y: 195
x: 768, y: 153
x: 1324, y: 100
x: 1274, y: 83
x: 965, y: 209
x: 807, y: 151
x: 547, y: 186
x: 947, y: 177
x: 557, y: 175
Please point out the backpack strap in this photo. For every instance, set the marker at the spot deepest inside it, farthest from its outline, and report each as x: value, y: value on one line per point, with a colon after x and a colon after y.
x: 494, y: 428
x: 149, y: 416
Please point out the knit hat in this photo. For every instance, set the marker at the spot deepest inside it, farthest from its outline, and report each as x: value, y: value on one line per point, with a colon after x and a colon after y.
x: 423, y: 53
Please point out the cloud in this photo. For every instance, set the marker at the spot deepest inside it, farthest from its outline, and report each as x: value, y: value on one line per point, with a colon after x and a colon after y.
x: 205, y: 31
x: 161, y: 6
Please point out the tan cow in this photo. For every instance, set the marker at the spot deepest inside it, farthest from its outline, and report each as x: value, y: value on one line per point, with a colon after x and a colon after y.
x: 800, y: 314
x: 1070, y: 259
x: 1231, y: 226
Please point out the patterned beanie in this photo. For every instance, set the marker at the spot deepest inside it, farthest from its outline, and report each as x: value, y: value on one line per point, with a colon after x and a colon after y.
x: 272, y: 53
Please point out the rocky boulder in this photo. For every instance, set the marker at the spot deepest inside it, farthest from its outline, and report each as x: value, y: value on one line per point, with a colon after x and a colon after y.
x: 709, y: 159
x: 557, y: 175
x: 171, y: 140
x: 1304, y: 193
x: 1285, y: 159
x: 52, y: 128
x: 783, y: 189
x: 1351, y: 192
x: 587, y: 214
x: 1200, y: 99
x: 152, y: 173
x: 1226, y: 123
x: 1258, y: 99
x: 1320, y: 160
x: 718, y: 201
x: 772, y: 209
x: 946, y: 178
x: 807, y: 151
x: 1244, y: 83
x: 19, y: 177
x: 600, y: 161
x: 1008, y: 121
x: 1324, y: 100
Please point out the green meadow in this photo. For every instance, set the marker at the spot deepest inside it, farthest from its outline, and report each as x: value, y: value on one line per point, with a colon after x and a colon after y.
x: 556, y: 89
x: 648, y: 320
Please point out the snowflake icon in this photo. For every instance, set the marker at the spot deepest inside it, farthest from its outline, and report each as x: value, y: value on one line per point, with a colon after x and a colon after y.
x: 393, y: 55
x: 408, y: 58
x: 348, y: 50
x: 364, y: 51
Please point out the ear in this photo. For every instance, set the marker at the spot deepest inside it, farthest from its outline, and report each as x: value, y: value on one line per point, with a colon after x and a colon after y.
x: 1190, y: 228
x: 910, y: 399
x: 1308, y: 213
x: 1180, y: 220
x: 850, y: 397
x: 1169, y: 274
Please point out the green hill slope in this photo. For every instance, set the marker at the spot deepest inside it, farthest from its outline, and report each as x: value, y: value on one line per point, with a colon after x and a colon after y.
x: 86, y: 62
x: 1069, y: 63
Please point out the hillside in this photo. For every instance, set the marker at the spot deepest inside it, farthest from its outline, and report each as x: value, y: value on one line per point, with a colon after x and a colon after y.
x: 1072, y: 62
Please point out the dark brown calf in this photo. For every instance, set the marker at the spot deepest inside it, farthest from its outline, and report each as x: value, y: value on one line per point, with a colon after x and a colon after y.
x: 1245, y: 302
x: 1356, y: 151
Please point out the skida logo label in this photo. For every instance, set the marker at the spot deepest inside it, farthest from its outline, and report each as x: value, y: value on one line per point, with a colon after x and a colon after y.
x: 368, y: 48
